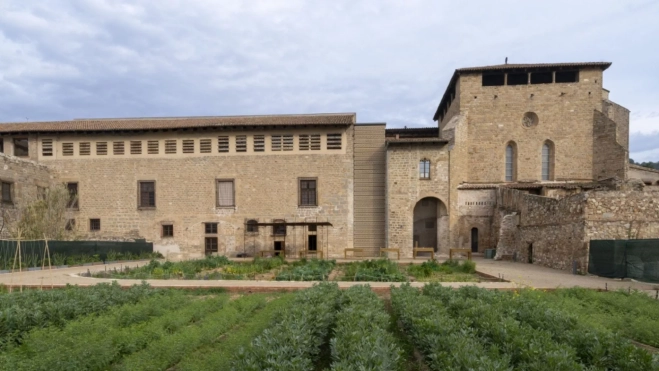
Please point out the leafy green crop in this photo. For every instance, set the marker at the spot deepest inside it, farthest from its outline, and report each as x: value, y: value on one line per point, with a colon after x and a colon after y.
x: 361, y: 340
x: 293, y: 343
x: 380, y: 270
x: 307, y: 270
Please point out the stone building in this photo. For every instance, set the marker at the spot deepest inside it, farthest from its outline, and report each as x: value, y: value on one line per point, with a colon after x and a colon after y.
x: 241, y: 185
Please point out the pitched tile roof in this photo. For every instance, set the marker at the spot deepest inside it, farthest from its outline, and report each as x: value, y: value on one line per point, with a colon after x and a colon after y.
x: 151, y: 123
x: 415, y: 140
x: 586, y: 185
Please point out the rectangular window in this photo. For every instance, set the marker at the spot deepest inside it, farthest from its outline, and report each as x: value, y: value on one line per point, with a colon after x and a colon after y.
x: 315, y: 142
x: 424, y: 169
x: 153, y: 147
x: 70, y: 224
x: 147, y: 194
x: 84, y: 148
x: 167, y: 230
x: 542, y: 77
x: 211, y: 245
x: 223, y: 143
x: 73, y: 195
x: 210, y: 228
x: 567, y: 76
x: 205, y: 146
x: 46, y: 147
x: 241, y: 143
x: 170, y: 146
x: 94, y: 224
x: 225, y: 193
x: 493, y: 79
x: 304, y: 142
x: 308, y: 192
x: 259, y: 143
x: 7, y: 193
x: 287, y: 142
x: 101, y: 148
x: 333, y: 141
x: 135, y: 147
x: 118, y: 148
x: 276, y: 142
x: 21, y: 147
x: 188, y: 145
x: 518, y: 78
x: 67, y: 149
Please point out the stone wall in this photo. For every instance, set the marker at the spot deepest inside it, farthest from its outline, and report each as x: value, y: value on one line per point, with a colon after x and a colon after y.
x: 649, y: 177
x: 615, y: 215
x: 476, y: 209
x: 405, y: 190
x: 266, y: 189
x: 610, y: 158
x: 27, y: 179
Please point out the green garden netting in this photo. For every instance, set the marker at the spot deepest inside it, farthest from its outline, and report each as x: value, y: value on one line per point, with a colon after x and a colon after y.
x: 637, y: 259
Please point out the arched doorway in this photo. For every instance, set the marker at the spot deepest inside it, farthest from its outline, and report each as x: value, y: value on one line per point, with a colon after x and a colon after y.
x: 430, y: 223
x: 474, y: 239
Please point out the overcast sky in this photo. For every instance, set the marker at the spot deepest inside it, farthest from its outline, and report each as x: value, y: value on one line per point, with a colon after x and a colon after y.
x: 388, y: 61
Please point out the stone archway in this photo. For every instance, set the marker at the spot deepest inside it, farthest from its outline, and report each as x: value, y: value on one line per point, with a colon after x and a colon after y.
x: 430, y: 227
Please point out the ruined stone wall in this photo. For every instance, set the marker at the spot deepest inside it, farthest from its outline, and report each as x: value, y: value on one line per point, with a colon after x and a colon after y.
x: 649, y: 177
x: 615, y: 215
x: 620, y: 115
x: 610, y: 158
x: 26, y: 178
x: 476, y: 209
x: 565, y: 116
x: 266, y: 188
x: 405, y: 190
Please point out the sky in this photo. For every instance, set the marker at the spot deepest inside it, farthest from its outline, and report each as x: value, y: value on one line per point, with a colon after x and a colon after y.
x: 388, y: 61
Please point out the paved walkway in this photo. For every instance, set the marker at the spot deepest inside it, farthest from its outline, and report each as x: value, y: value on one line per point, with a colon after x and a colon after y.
x: 518, y: 275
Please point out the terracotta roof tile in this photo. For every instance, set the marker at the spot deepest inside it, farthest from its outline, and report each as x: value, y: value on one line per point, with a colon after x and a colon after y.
x: 511, y: 66
x: 151, y: 123
x: 588, y: 185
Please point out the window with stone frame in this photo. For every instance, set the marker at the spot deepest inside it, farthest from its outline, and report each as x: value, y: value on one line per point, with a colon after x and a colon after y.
x: 21, y: 148
x: 511, y: 162
x: 7, y: 192
x: 167, y: 230
x: 94, y: 224
x: 424, y: 169
x: 308, y: 192
x: 548, y: 160
x: 210, y: 228
x: 147, y: 195
x: 72, y: 187
x: 210, y: 245
x: 252, y: 226
x: 225, y: 193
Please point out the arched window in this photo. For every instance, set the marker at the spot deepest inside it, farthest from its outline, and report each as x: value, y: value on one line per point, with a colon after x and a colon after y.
x: 279, y: 227
x: 511, y: 162
x: 548, y: 161
x: 424, y: 169
x: 252, y: 226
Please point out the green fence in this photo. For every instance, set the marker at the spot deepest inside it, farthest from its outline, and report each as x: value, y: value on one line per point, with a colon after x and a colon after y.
x: 68, y: 252
x: 637, y: 259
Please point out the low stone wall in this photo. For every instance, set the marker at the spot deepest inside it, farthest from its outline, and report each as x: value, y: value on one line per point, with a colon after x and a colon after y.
x: 622, y: 215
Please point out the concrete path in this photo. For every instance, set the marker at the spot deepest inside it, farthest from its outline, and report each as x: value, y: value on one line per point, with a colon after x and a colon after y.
x: 519, y: 275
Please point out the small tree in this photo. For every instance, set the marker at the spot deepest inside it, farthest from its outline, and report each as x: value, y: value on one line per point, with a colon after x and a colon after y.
x: 46, y: 216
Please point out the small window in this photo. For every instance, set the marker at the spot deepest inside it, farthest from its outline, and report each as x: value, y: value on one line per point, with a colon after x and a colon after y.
x: 188, y: 145
x: 94, y: 224
x: 70, y: 224
x: 511, y: 166
x: 494, y: 79
x: 548, y: 161
x: 167, y: 230
x: 333, y: 141
x: 315, y: 142
x: 21, y: 147
x: 424, y: 169
x: 252, y: 226
x: 73, y: 195
x: 567, y: 76
x: 223, y: 143
x: 170, y: 146
x: 211, y: 245
x: 101, y: 148
x: 287, y: 142
x: 118, y: 148
x: 259, y: 143
x: 135, y: 147
x: 147, y: 194
x: 67, y: 149
x: 7, y: 193
x: 225, y: 193
x: 205, y: 146
x: 304, y: 142
x: 276, y: 142
x: 241, y: 143
x: 279, y: 227
x: 308, y: 192
x: 85, y: 148
x: 518, y: 78
x: 153, y: 147
x: 210, y: 228
x: 46, y: 147
x: 542, y: 77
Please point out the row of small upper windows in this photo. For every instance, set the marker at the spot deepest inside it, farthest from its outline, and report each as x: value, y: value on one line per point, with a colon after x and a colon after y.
x: 525, y: 78
x: 548, y: 155
x: 305, y: 142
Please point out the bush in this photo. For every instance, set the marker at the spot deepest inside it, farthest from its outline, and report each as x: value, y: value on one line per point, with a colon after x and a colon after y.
x: 380, y: 270
x: 303, y: 270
